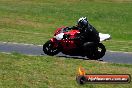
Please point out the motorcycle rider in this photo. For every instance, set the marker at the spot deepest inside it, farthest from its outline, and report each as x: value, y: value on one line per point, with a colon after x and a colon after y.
x: 88, y: 35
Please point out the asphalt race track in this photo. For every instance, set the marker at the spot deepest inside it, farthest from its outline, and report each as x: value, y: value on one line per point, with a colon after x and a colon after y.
x: 29, y: 49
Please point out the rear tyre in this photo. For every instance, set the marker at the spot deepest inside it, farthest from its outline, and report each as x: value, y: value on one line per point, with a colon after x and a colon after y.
x: 103, y: 50
x: 49, y: 48
x: 99, y: 52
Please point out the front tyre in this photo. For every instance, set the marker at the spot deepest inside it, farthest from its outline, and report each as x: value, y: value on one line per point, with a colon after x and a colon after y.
x: 50, y: 49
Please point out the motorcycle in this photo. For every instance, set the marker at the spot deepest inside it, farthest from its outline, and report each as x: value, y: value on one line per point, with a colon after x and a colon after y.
x: 62, y: 42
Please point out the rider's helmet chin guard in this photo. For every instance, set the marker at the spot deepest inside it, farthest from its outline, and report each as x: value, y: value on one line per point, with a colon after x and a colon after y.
x: 82, y: 23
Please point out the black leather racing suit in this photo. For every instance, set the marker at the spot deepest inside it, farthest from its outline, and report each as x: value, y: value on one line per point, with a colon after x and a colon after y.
x: 89, y: 37
x: 88, y: 34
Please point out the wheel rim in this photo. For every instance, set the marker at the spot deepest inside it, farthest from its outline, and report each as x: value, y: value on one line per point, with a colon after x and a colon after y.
x: 49, y: 49
x: 101, y: 50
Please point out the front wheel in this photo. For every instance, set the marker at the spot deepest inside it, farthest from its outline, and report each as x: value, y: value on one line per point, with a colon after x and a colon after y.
x: 49, y: 48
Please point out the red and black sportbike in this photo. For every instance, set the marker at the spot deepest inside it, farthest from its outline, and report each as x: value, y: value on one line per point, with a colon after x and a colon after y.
x: 61, y: 42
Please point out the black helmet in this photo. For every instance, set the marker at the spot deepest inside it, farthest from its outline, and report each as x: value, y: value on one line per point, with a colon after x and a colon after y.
x: 82, y: 22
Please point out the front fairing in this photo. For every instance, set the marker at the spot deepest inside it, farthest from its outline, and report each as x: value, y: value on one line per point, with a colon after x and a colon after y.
x: 59, y: 30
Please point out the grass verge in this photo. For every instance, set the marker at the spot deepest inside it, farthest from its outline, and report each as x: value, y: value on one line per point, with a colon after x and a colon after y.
x: 20, y: 71
x: 34, y: 21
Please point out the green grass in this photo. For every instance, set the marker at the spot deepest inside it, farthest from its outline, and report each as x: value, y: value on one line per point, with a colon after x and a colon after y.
x: 20, y: 71
x: 34, y: 21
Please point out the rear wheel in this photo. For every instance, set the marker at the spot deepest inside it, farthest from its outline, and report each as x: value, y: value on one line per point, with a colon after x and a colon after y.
x: 99, y: 52
x: 49, y: 48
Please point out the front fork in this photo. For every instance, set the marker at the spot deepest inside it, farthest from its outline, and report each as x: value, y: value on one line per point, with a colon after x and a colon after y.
x: 55, y: 42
